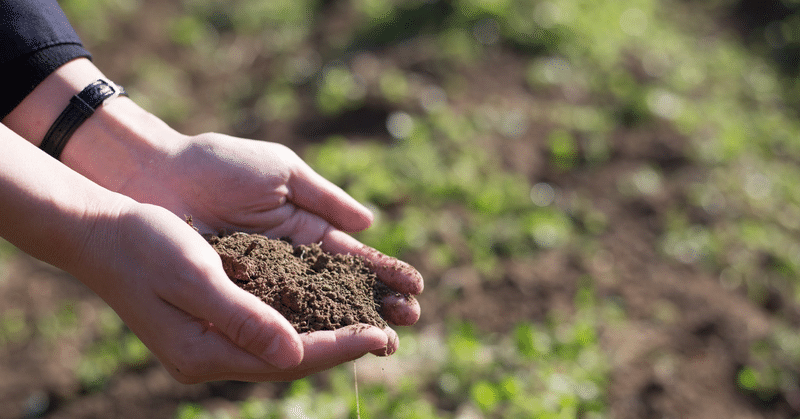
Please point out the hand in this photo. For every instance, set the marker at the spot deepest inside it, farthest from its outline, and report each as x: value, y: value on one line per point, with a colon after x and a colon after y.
x: 224, y: 183
x: 159, y: 275
x: 168, y: 286
x: 232, y: 184
x: 166, y: 282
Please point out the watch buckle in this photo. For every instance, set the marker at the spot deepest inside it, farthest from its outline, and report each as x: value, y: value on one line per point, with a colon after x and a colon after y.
x: 114, y: 88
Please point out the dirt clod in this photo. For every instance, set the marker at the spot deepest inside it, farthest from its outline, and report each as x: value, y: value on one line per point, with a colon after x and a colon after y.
x: 314, y: 290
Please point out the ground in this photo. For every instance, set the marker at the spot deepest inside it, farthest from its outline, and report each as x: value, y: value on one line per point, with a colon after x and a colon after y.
x: 685, y: 333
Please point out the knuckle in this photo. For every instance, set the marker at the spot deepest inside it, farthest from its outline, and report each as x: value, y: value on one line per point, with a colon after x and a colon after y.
x: 242, y: 329
x: 285, y: 150
x: 188, y: 279
x: 313, y: 227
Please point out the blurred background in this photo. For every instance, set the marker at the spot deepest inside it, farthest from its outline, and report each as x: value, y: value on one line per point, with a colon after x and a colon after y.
x: 603, y: 197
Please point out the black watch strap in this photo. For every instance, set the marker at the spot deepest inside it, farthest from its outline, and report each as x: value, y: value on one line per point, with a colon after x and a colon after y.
x: 80, y: 108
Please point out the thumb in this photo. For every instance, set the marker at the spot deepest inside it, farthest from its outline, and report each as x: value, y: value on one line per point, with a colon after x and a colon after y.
x: 255, y: 326
x: 207, y: 293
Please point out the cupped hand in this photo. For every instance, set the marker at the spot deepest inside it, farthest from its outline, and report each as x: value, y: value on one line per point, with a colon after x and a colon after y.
x: 230, y: 184
x: 168, y: 285
x: 163, y: 279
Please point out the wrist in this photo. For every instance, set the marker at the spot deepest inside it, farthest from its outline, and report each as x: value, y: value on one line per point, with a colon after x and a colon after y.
x: 119, y: 140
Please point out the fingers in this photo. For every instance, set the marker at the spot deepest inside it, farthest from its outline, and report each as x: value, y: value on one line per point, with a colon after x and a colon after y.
x: 342, y: 345
x: 400, y: 309
x: 211, y: 356
x: 312, y: 192
x: 392, y: 344
x: 396, y: 274
x: 237, y: 346
x: 304, y: 228
x: 327, y: 349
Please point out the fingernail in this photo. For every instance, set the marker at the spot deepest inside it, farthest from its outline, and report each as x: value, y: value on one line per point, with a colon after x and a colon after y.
x: 392, y: 345
x: 280, y: 353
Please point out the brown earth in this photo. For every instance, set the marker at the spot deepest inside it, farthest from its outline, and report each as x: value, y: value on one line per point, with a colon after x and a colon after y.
x: 313, y: 289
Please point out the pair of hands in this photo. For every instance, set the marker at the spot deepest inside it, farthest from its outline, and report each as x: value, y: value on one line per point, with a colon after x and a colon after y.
x: 134, y: 249
x: 171, y: 290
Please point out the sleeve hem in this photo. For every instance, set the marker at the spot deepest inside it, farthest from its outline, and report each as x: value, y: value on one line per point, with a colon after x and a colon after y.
x: 26, y: 72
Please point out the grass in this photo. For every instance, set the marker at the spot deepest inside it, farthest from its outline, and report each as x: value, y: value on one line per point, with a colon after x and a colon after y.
x: 550, y: 371
x: 437, y: 191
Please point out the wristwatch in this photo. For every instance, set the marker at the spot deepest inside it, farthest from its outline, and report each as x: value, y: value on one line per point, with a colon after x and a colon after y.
x: 80, y: 108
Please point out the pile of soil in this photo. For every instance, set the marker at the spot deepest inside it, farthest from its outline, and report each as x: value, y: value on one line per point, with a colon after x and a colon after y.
x: 313, y: 289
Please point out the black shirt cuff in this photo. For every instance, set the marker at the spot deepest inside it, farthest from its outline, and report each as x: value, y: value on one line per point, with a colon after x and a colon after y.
x: 29, y: 70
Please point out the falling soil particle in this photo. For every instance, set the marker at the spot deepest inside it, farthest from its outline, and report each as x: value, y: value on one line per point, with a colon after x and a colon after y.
x: 313, y: 289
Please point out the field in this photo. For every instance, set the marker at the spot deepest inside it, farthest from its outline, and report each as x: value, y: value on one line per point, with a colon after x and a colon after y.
x: 603, y: 198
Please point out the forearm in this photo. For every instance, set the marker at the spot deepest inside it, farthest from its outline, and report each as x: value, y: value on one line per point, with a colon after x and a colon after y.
x: 118, y: 141
x: 46, y: 209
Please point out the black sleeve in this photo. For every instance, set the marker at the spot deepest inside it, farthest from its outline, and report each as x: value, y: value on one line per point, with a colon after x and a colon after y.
x: 35, y: 39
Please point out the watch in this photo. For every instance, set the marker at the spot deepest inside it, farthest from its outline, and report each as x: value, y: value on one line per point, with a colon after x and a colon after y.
x: 80, y: 108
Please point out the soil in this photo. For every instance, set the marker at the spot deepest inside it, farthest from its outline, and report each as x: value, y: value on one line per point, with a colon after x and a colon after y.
x: 313, y: 289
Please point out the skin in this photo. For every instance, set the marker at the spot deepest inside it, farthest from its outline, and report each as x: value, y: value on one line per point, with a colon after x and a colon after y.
x: 112, y: 215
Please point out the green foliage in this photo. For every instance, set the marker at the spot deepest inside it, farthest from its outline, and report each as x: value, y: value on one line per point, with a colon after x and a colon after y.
x: 253, y: 17
x: 98, y: 18
x: 13, y: 327
x: 191, y: 411
x: 6, y: 250
x: 63, y: 322
x: 431, y: 169
x: 116, y: 348
x: 485, y: 395
x: 555, y: 370
x: 773, y: 367
x: 187, y: 30
x: 339, y: 90
x: 563, y: 149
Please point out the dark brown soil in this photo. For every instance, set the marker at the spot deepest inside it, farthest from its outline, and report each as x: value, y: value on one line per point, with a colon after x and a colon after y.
x: 313, y: 289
